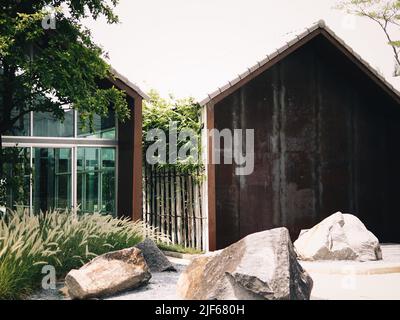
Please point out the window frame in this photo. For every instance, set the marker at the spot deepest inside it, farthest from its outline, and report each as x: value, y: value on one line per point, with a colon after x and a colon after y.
x: 72, y: 143
x: 75, y: 130
x: 100, y: 171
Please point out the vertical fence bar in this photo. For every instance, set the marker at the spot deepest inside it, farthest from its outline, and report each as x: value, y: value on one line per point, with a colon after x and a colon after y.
x: 185, y: 212
x: 152, y: 197
x: 171, y: 206
x: 175, y: 184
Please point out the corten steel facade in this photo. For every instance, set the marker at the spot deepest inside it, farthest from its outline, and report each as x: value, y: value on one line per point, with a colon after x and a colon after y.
x: 327, y: 134
x: 97, y: 171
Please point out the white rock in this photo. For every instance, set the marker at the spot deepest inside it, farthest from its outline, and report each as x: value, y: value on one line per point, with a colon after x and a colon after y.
x: 338, y: 237
x: 363, y: 241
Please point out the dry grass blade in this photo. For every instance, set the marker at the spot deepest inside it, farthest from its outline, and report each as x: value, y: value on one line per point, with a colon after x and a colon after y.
x: 65, y: 240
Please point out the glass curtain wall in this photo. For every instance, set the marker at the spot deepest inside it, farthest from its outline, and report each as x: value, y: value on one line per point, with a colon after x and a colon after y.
x: 61, y: 173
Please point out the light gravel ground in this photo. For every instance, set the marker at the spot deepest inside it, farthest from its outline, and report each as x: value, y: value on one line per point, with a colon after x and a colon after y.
x: 358, y: 287
x: 48, y: 294
x: 332, y: 281
x: 378, y: 280
x: 162, y: 286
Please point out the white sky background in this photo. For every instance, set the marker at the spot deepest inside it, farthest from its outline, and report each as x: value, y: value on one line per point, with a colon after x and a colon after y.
x: 191, y: 47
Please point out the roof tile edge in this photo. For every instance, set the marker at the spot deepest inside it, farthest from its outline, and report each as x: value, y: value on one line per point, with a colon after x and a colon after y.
x: 130, y: 84
x: 321, y: 24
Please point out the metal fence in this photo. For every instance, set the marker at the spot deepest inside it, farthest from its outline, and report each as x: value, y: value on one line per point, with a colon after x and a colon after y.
x: 172, y: 203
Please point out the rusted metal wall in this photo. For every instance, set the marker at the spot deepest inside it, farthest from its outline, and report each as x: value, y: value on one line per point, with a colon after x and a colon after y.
x: 129, y: 196
x: 125, y: 166
x: 326, y: 140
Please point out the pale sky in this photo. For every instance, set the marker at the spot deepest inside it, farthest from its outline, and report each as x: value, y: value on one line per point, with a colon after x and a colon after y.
x: 191, y: 47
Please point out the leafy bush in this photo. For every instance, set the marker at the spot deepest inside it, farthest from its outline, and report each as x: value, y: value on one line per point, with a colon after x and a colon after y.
x: 15, y: 181
x: 159, y: 113
x: 65, y: 240
x: 178, y: 248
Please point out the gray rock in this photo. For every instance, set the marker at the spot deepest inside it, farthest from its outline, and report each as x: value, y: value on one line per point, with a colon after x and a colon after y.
x: 262, y: 266
x: 338, y: 237
x: 108, y: 274
x: 155, y: 258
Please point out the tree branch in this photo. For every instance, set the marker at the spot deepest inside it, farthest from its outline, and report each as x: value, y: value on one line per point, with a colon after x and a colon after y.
x: 384, y: 27
x: 383, y: 21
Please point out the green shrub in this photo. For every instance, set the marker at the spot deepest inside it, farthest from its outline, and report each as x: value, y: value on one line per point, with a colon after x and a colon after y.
x: 159, y: 113
x: 65, y: 240
x: 178, y: 248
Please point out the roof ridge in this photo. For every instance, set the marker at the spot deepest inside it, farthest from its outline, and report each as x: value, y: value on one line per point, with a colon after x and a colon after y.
x: 320, y: 24
x: 129, y: 83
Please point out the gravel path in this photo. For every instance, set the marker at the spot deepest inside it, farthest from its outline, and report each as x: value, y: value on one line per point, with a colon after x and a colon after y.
x: 328, y: 282
x: 48, y: 294
x: 162, y: 286
x: 341, y: 280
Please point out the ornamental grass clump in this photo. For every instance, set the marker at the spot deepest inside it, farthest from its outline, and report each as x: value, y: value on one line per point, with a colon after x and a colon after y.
x: 65, y: 240
x: 23, y: 251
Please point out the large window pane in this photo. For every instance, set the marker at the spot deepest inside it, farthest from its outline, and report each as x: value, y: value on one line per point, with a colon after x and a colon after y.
x: 103, y: 128
x: 45, y: 125
x: 17, y: 170
x: 108, y: 179
x: 96, y: 180
x: 51, y: 179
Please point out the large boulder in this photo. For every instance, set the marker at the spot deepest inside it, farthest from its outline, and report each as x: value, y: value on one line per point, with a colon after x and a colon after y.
x: 155, y: 258
x: 262, y: 266
x: 361, y: 240
x: 108, y: 274
x: 338, y: 237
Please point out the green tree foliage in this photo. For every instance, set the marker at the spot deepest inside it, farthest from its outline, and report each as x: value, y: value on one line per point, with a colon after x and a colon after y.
x: 48, y: 70
x: 3, y: 193
x: 16, y: 176
x: 386, y: 13
x: 159, y: 113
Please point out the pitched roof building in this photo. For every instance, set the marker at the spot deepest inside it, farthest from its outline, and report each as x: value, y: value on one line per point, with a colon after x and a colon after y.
x: 325, y: 140
x: 98, y: 171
